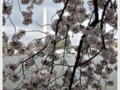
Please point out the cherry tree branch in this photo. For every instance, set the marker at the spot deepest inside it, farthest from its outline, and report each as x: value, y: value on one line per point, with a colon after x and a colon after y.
x: 76, y: 62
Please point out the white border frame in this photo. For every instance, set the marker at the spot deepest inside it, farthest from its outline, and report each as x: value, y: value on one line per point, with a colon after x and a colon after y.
x: 118, y: 75
x: 1, y: 45
x: 118, y: 64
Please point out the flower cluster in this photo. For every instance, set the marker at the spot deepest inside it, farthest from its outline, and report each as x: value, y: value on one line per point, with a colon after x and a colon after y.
x: 43, y: 74
x: 25, y: 1
x: 57, y: 1
x: 66, y: 77
x: 9, y: 72
x: 109, y: 16
x: 38, y: 2
x: 17, y: 36
x: 3, y: 21
x: 27, y: 17
x: 5, y: 37
x: 9, y: 51
x: 7, y: 8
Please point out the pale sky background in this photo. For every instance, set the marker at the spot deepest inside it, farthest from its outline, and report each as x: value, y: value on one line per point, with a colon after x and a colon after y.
x: 51, y: 7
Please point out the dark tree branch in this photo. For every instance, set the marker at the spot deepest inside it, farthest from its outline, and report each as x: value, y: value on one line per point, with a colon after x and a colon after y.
x: 96, y: 13
x: 101, y: 24
x: 31, y: 56
x: 91, y: 58
x: 96, y: 10
x: 61, y: 17
x: 103, y: 14
x: 57, y: 27
x: 76, y: 63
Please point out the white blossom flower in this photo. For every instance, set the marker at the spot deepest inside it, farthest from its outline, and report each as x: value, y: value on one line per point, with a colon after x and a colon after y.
x: 16, y: 44
x: 62, y: 30
x: 109, y: 15
x: 38, y: 2
x: 24, y: 85
x: 57, y: 1
x: 4, y: 76
x: 101, y: 3
x: 75, y: 29
x: 11, y: 66
x: 54, y: 56
x: 30, y: 62
x: 113, y: 60
x: 71, y: 19
x: 105, y: 75
x: 104, y: 62
x: 110, y: 83
x: 18, y: 35
x: 7, y: 8
x: 43, y: 74
x: 109, y: 53
x: 9, y: 71
x: 90, y: 81
x: 25, y: 1
x: 46, y: 62
x: 70, y: 7
x: 34, y: 82
x: 22, y: 51
x: 54, y: 24
x: 109, y: 70
x: 96, y: 86
x: 49, y: 38
x: 5, y: 37
x: 14, y: 77
x: 27, y: 14
x: 80, y: 10
x: 49, y: 49
x: 92, y: 39
x: 9, y: 51
x: 27, y: 21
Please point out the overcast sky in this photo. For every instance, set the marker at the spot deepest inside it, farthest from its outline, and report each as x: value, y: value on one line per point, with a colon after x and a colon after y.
x: 17, y: 19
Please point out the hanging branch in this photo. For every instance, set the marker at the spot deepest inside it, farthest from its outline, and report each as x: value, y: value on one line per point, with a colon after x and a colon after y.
x: 96, y: 13
x: 101, y: 24
x: 76, y: 62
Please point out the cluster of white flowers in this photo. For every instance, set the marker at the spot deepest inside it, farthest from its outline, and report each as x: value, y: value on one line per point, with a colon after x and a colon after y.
x: 100, y: 3
x: 29, y: 63
x: 109, y: 53
x: 38, y: 2
x: 92, y: 39
x: 80, y: 87
x: 71, y: 19
x: 18, y: 35
x: 109, y: 16
x: 7, y: 8
x: 3, y: 20
x: 9, y: 51
x: 57, y: 1
x: 25, y: 1
x: 5, y: 37
x: 66, y: 78
x: 9, y: 72
x: 27, y: 17
x: 75, y: 29
x: 43, y: 74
